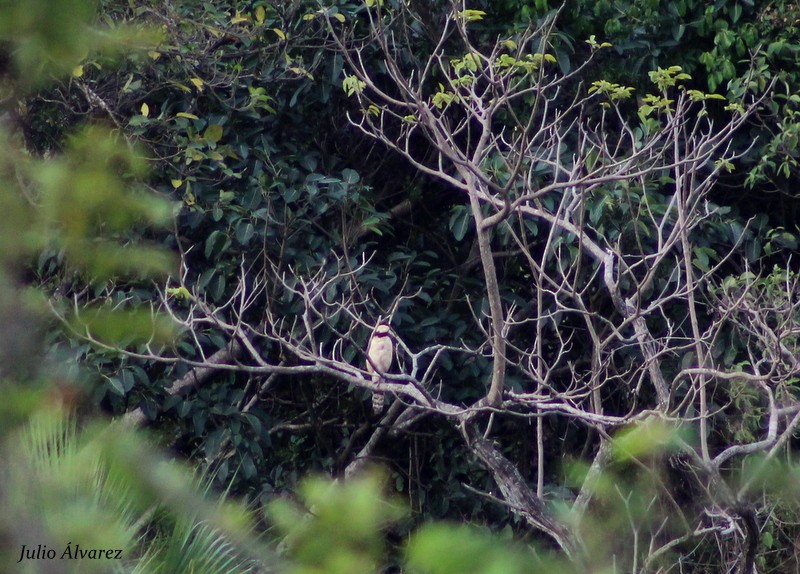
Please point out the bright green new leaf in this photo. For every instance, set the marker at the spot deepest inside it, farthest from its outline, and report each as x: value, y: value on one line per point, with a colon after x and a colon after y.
x: 239, y: 18
x: 443, y: 98
x: 724, y: 165
x: 260, y: 14
x: 213, y: 133
x: 472, y: 15
x: 352, y: 85
x: 595, y: 45
x: 612, y: 91
x: 181, y: 293
x: 669, y: 77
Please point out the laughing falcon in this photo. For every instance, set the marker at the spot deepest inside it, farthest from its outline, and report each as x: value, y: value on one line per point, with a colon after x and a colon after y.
x: 379, y: 359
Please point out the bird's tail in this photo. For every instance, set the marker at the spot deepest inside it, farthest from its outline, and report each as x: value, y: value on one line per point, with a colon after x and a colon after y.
x: 377, y: 400
x: 377, y: 403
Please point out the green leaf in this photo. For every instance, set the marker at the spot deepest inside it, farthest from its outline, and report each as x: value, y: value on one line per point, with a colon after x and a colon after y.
x: 350, y: 176
x: 179, y: 293
x: 116, y: 385
x: 122, y: 327
x: 767, y: 540
x: 244, y: 232
x: 352, y: 85
x: 472, y: 15
x: 216, y: 243
x: 650, y: 437
x: 372, y: 223
x: 455, y: 549
x: 213, y: 133
x: 460, y: 222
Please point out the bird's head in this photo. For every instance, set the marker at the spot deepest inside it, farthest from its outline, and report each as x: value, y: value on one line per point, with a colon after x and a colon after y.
x: 382, y: 330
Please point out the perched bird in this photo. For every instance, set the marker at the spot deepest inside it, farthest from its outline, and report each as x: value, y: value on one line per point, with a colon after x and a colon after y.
x: 380, y: 351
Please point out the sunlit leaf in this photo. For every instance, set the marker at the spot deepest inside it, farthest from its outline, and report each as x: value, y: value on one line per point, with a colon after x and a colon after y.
x: 472, y: 15
x: 260, y: 14
x: 213, y: 133
x: 239, y: 18
x: 179, y: 293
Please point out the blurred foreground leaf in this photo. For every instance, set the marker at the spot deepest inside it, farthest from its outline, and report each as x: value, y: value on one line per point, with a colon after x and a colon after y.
x: 340, y: 531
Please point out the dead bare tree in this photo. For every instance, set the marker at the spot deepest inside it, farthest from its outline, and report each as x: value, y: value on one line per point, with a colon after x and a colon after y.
x: 514, y: 135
